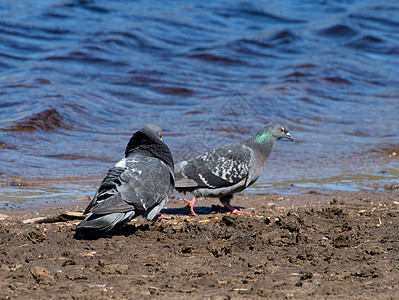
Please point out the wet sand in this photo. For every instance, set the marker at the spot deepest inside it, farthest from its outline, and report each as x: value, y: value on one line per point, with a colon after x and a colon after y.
x: 314, y: 246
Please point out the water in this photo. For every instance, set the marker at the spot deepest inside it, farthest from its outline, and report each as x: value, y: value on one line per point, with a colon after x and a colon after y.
x: 77, y: 78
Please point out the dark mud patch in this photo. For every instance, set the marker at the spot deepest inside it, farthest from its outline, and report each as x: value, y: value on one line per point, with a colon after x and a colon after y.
x: 342, y: 245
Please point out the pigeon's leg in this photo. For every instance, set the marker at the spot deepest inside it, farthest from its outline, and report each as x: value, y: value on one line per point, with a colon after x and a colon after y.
x: 226, y: 202
x: 122, y: 229
x: 163, y: 216
x: 190, y: 205
x: 160, y: 217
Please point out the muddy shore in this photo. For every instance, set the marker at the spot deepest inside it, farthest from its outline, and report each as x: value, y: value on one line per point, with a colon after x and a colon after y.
x: 314, y: 246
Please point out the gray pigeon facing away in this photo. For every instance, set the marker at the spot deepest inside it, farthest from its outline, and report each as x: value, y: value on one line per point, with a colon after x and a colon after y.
x: 228, y: 169
x: 139, y: 184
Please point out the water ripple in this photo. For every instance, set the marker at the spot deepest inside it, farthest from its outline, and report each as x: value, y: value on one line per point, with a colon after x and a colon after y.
x: 78, y: 77
x: 46, y: 120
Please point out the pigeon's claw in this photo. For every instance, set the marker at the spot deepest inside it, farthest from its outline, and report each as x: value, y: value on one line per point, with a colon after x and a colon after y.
x: 160, y: 217
x: 233, y: 210
x: 190, y: 205
x: 163, y: 216
x: 238, y: 212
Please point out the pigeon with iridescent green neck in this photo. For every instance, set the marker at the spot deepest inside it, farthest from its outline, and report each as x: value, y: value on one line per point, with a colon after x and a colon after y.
x: 228, y: 169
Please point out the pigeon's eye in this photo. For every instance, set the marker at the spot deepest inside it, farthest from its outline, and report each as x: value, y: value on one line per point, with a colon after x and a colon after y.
x: 160, y: 133
x: 282, y: 129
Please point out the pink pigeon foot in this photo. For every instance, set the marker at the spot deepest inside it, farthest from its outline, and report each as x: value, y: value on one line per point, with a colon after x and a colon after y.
x: 190, y: 205
x: 163, y: 216
x: 160, y: 217
x: 234, y: 210
x: 238, y: 212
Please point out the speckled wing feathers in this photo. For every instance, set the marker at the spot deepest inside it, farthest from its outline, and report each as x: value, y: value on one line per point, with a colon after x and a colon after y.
x: 220, y: 167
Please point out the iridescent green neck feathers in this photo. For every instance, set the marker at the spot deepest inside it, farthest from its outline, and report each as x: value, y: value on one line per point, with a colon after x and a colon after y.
x: 264, y: 138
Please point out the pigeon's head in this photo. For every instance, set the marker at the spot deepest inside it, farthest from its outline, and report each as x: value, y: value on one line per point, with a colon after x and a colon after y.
x: 279, y: 130
x: 154, y: 132
x: 272, y: 132
x: 150, y: 134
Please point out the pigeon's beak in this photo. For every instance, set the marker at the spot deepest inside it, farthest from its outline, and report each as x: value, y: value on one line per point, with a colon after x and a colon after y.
x: 289, y: 136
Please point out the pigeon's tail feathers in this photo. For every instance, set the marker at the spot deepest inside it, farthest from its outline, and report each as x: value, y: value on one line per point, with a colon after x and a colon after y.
x: 104, y: 223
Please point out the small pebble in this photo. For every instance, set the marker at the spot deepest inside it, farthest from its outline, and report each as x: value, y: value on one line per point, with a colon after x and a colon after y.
x: 3, y: 217
x: 33, y: 220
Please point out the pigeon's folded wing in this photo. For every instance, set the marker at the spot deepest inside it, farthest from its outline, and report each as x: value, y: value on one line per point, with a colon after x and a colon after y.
x: 142, y: 185
x: 221, y: 167
x: 108, y: 188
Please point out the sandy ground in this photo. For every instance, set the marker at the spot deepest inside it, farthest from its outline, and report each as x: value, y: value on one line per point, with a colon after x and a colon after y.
x: 314, y: 246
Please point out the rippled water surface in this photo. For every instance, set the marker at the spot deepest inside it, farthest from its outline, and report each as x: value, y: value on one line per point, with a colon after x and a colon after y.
x: 77, y: 78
